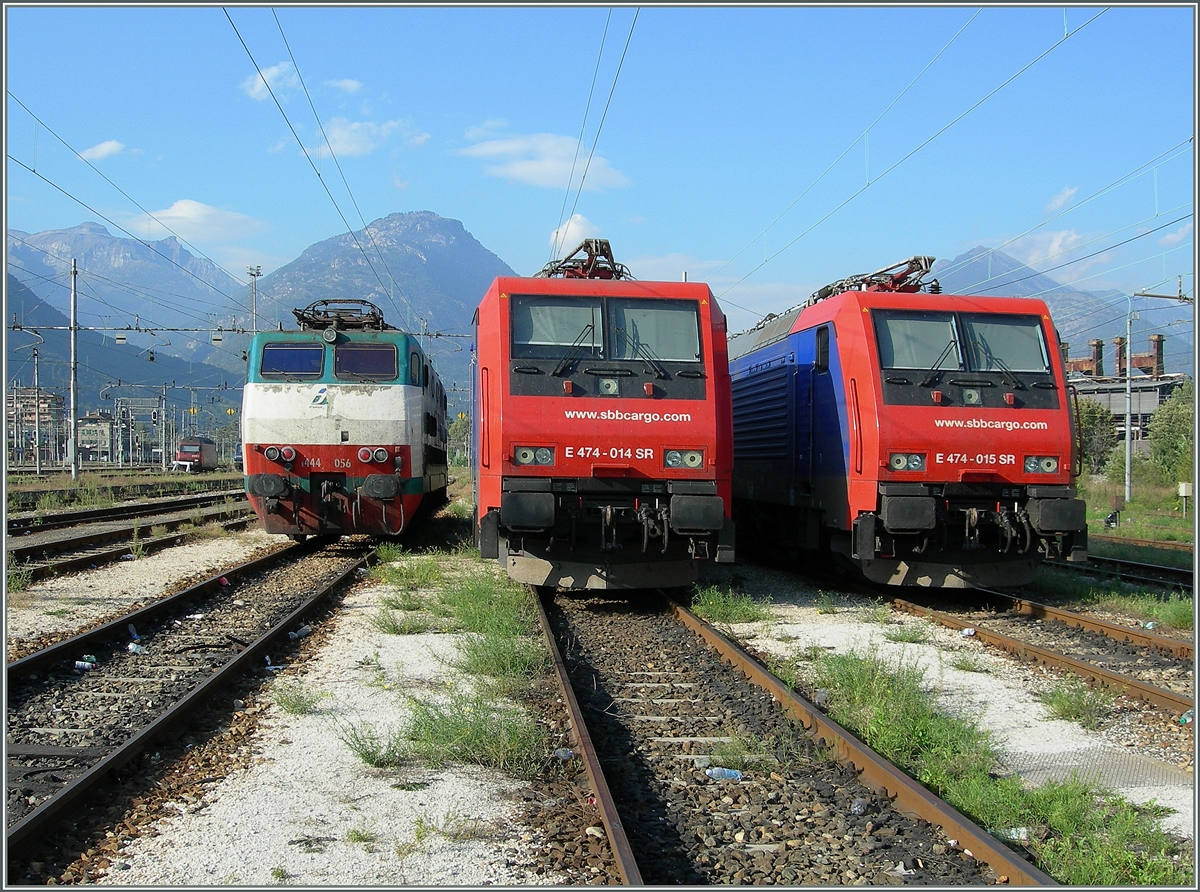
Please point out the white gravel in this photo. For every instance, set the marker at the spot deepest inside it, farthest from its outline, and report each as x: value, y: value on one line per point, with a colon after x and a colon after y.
x: 309, y: 812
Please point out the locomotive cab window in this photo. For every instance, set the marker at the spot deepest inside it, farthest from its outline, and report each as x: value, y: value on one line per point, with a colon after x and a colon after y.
x: 666, y: 330
x: 292, y: 360
x: 414, y: 368
x: 1005, y: 343
x: 546, y: 327
x: 377, y: 362
x: 916, y: 340
x: 821, y: 361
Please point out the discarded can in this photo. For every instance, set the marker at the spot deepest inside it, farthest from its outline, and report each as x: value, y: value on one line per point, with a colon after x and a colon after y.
x: 724, y: 774
x: 1186, y: 718
x: 858, y: 807
x: 223, y: 581
x: 967, y: 633
x: 137, y: 649
x: 84, y: 665
x: 90, y: 658
x: 1150, y: 625
x: 300, y: 632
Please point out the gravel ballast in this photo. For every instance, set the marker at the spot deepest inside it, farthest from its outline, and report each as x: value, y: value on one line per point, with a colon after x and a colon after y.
x: 304, y: 810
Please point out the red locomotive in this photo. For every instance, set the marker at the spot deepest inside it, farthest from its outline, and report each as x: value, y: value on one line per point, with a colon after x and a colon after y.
x: 601, y: 430
x: 927, y: 439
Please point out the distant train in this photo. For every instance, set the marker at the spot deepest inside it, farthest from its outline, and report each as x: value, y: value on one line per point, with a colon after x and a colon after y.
x: 196, y: 454
x: 601, y: 429
x: 343, y: 425
x: 920, y: 438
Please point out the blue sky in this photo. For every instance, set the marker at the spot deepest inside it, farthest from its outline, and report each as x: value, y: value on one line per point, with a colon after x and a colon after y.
x: 765, y: 150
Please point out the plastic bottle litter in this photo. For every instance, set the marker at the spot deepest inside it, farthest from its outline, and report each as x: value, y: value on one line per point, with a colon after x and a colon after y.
x: 724, y: 774
x: 137, y: 649
x: 133, y: 633
x: 300, y: 632
x: 858, y: 807
x: 1150, y: 625
x: 90, y: 658
x: 967, y: 633
x: 1187, y: 717
x: 564, y: 754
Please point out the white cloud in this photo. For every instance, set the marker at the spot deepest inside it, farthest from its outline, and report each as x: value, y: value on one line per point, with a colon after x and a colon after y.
x: 488, y: 128
x: 1180, y: 235
x: 277, y: 76
x: 568, y: 236
x: 357, y: 138
x: 399, y: 182
x: 419, y: 140
x: 545, y: 159
x: 103, y: 150
x: 1045, y: 247
x: 348, y: 84
x: 1062, y: 199
x: 196, y: 222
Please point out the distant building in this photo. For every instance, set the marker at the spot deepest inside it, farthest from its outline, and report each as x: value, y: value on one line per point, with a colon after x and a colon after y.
x: 29, y: 411
x: 96, y: 432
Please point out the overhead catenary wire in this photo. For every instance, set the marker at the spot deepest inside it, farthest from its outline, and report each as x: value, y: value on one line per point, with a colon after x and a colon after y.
x: 338, y: 164
x: 855, y: 142
x: 304, y: 149
x: 184, y: 241
x: 914, y: 151
x: 556, y: 245
x: 111, y: 222
x: 604, y: 115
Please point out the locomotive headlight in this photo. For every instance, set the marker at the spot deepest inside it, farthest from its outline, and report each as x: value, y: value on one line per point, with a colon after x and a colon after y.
x: 364, y: 454
x: 271, y: 453
x: 523, y: 455
x: 380, y: 454
x: 544, y: 456
x: 533, y: 455
x: 1041, y: 464
x: 907, y: 461
x: 683, y: 458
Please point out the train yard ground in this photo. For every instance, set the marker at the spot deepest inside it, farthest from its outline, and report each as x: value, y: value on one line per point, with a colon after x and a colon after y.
x: 291, y: 742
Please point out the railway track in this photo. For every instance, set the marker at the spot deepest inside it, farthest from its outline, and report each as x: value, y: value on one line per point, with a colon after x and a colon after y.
x: 66, y: 549
x: 659, y: 701
x: 1133, y: 571
x: 71, y: 726
x: 1147, y: 667
x: 37, y: 522
x: 19, y: 500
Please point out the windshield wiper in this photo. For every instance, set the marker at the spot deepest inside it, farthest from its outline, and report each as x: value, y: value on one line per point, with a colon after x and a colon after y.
x: 641, y: 349
x: 1005, y: 372
x: 934, y: 374
x: 576, y: 348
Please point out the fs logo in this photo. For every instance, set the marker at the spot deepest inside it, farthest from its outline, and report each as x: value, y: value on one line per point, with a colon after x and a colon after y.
x: 319, y: 399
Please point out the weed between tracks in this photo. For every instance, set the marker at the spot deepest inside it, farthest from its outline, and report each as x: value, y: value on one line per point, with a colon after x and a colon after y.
x: 1171, y: 610
x: 1080, y: 833
x: 499, y: 650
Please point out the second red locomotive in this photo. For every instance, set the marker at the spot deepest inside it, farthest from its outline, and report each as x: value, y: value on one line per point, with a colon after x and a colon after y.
x: 925, y: 439
x: 602, y: 435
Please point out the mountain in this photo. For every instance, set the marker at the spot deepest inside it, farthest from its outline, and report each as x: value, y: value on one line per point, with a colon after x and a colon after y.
x: 125, y: 282
x: 1078, y: 315
x: 140, y: 373
x: 426, y: 272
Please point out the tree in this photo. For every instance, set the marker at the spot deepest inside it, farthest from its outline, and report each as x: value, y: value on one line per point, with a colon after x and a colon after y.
x: 1172, y: 434
x: 1097, y: 433
x: 459, y: 436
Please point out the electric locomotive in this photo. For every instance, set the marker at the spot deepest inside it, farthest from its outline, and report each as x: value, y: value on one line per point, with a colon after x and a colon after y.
x: 601, y: 430
x: 343, y: 424
x: 921, y: 438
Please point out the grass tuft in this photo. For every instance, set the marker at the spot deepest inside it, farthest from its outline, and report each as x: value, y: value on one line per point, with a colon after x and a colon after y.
x: 470, y: 728
x: 291, y: 696
x: 1076, y: 702
x: 718, y: 605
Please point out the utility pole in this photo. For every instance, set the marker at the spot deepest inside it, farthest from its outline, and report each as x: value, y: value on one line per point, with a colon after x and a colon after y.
x: 73, y: 429
x: 162, y: 426
x: 37, y: 418
x: 255, y: 272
